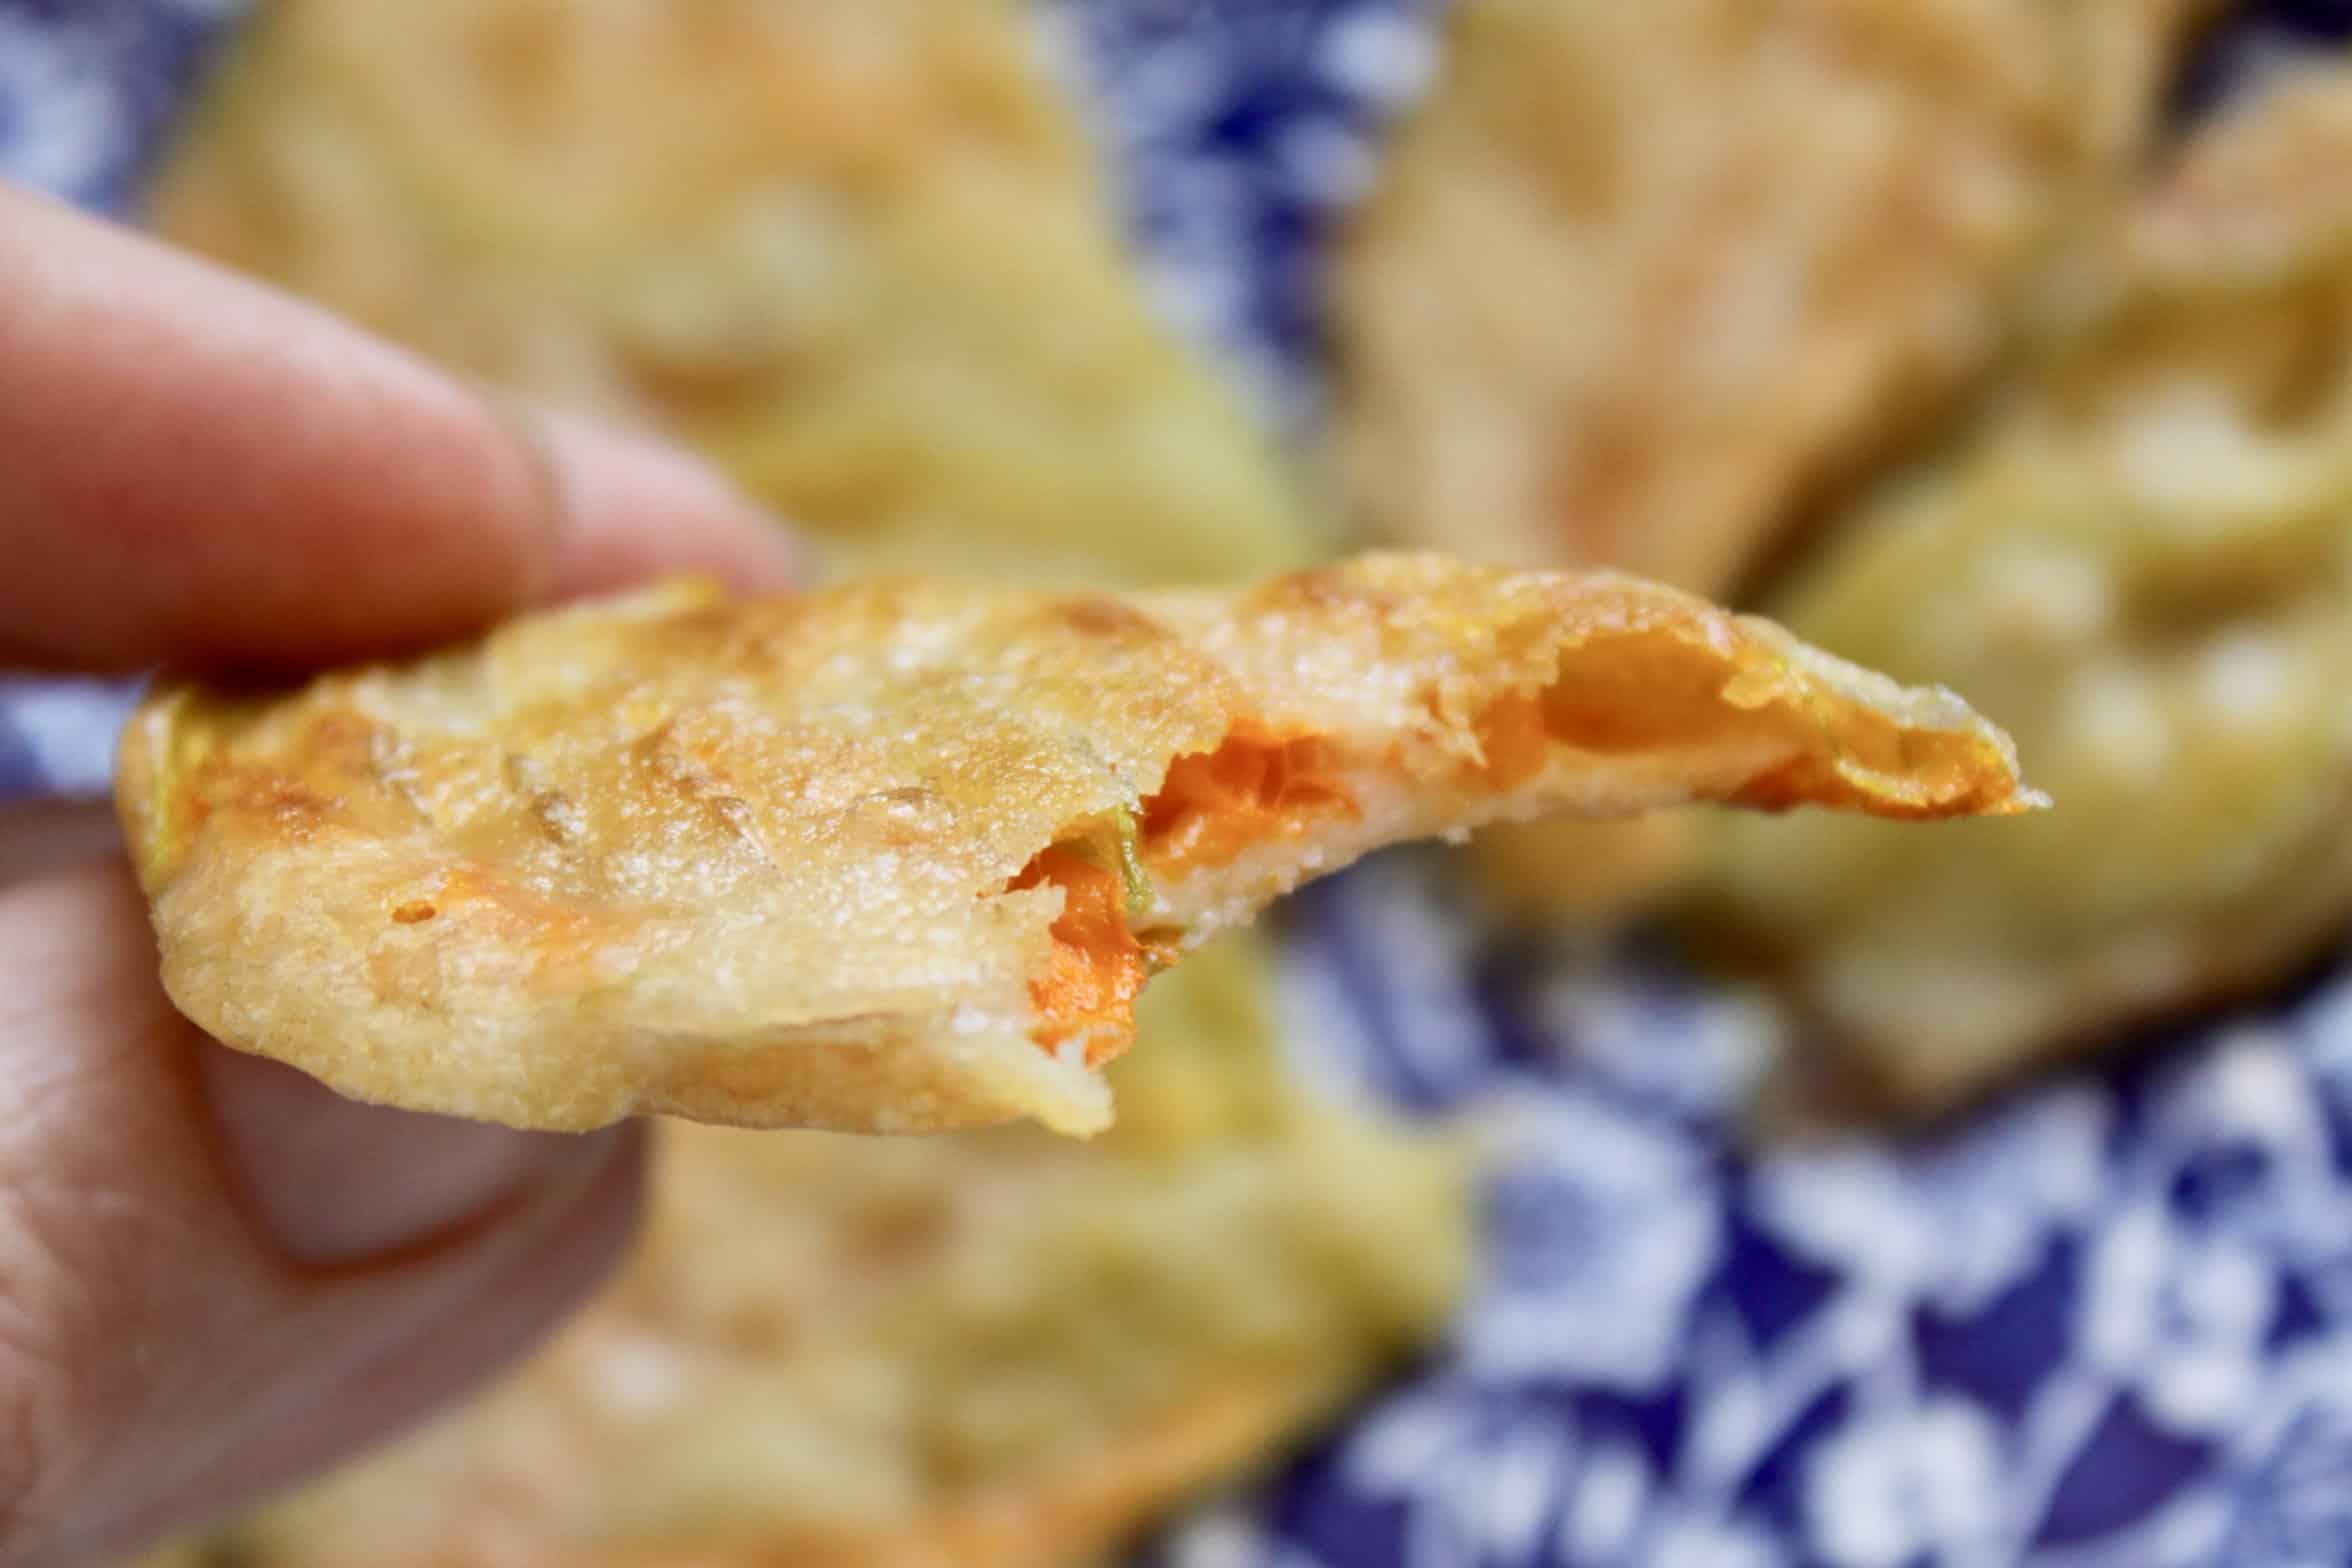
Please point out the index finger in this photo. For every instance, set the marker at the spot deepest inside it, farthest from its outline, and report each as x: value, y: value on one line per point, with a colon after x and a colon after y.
x: 196, y: 469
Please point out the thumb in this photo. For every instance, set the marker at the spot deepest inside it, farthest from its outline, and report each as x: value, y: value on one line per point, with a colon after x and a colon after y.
x: 215, y: 1276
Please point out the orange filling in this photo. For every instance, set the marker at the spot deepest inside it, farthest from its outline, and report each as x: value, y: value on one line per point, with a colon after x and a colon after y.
x: 1256, y: 787
x: 1514, y: 735
x: 1215, y: 804
x: 1098, y: 966
x: 1252, y: 788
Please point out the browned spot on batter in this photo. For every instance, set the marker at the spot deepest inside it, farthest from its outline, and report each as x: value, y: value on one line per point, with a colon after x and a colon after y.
x: 1326, y: 589
x: 555, y: 943
x: 277, y: 796
x: 1107, y: 618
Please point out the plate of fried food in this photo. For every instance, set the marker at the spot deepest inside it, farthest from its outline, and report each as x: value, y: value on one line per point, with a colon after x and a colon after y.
x: 1567, y: 786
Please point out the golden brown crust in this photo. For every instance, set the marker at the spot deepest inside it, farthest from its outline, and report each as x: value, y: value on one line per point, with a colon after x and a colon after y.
x: 749, y: 862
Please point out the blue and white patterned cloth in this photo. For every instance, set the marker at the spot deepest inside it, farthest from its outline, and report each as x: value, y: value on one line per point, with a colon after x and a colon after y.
x: 2107, y: 1326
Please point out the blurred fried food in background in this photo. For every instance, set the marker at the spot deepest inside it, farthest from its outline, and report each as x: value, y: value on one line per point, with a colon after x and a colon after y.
x: 859, y: 251
x: 1588, y: 873
x: 1641, y: 284
x: 1000, y: 1349
x: 2141, y: 558
x: 1639, y: 280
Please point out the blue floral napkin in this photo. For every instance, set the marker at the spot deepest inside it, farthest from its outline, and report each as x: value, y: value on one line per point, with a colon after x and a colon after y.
x: 2107, y: 1326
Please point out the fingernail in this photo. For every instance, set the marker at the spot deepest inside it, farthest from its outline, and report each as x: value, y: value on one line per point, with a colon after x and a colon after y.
x: 633, y: 507
x: 335, y: 1182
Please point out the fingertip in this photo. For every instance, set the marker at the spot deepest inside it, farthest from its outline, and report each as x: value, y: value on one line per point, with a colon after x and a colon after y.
x: 300, y: 1275
x: 629, y: 507
x: 205, y: 472
x: 545, y: 1264
x: 330, y: 1182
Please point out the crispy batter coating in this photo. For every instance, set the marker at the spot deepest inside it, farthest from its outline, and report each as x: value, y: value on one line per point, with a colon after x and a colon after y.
x: 857, y: 251
x: 2144, y: 561
x: 1003, y: 1350
x: 762, y: 861
x: 1639, y: 280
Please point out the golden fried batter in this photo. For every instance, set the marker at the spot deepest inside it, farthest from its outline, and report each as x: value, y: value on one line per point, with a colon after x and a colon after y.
x: 895, y: 856
x: 858, y: 251
x: 2144, y: 561
x: 1002, y: 1350
x: 1640, y: 279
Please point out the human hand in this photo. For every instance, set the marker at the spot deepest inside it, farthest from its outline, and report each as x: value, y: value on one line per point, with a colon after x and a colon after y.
x: 216, y: 1276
